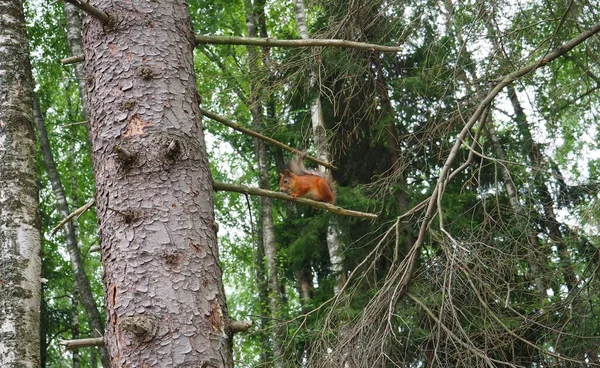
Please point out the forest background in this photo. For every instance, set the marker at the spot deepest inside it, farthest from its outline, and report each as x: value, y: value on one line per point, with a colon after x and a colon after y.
x: 476, y: 148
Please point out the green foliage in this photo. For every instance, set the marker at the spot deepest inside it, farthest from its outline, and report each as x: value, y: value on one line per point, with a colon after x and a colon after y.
x: 492, y: 277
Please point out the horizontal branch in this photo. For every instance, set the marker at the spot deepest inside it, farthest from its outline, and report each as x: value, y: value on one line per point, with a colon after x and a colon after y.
x: 273, y: 42
x: 82, y: 343
x: 254, y: 134
x: 278, y: 195
x: 95, y: 12
x: 311, y: 42
x: 240, y: 326
x: 72, y: 59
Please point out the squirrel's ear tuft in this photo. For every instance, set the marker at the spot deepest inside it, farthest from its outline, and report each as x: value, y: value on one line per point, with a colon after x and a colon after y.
x: 287, y: 172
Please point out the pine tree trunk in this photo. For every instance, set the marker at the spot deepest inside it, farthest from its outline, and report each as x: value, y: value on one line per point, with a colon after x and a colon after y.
x: 163, y: 284
x: 20, y: 263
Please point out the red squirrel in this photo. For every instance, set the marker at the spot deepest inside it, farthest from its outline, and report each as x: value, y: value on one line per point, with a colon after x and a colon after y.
x: 301, y: 182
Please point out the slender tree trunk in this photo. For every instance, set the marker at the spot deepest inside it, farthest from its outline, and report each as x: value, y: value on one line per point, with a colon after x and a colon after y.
x: 82, y: 282
x: 266, y: 204
x: 75, y: 326
x: 20, y: 248
x: 163, y: 284
x: 320, y: 139
x: 73, y: 20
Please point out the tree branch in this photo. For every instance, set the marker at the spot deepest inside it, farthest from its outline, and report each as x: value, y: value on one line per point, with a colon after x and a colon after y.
x: 240, y: 326
x: 264, y: 138
x: 77, y: 212
x: 311, y: 42
x: 95, y: 12
x: 270, y: 42
x: 278, y: 195
x: 82, y: 343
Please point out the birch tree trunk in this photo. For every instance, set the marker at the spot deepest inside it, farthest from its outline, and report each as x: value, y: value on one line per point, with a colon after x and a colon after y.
x: 266, y: 204
x: 163, y: 284
x: 20, y: 262
x: 320, y: 139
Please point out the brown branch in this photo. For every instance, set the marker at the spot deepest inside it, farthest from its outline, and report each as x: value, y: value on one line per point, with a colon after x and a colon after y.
x: 72, y: 59
x: 240, y: 326
x: 270, y: 42
x: 278, y: 195
x: 254, y: 134
x: 77, y: 212
x: 311, y: 42
x: 438, y: 191
x: 95, y: 12
x: 82, y: 343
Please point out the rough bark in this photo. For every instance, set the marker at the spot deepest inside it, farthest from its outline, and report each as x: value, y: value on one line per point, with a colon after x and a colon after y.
x: 320, y: 139
x: 20, y: 262
x: 163, y: 284
x: 82, y: 282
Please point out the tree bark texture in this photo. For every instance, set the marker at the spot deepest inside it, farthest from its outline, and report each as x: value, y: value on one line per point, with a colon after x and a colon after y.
x: 82, y: 282
x: 163, y: 286
x: 20, y: 261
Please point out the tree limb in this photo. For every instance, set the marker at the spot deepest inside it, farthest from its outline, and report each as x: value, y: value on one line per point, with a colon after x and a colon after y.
x: 311, y: 42
x: 95, y: 12
x: 254, y: 134
x: 77, y: 212
x: 271, y: 42
x: 278, y: 195
x: 82, y: 343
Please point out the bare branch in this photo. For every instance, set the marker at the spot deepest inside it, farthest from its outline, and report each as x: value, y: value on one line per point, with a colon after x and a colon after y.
x: 240, y: 326
x: 311, y: 42
x: 82, y: 343
x: 72, y: 59
x: 271, y: 42
x: 77, y: 212
x: 278, y: 195
x: 95, y: 12
x: 264, y: 138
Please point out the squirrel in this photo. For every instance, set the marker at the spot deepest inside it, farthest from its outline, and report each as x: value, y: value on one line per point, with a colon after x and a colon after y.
x: 298, y: 181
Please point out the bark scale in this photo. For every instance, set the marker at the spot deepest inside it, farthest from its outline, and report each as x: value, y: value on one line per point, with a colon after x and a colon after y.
x: 163, y: 284
x: 20, y: 248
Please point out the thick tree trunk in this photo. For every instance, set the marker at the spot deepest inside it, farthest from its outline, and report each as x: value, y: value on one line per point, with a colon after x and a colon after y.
x: 20, y: 263
x: 82, y: 283
x: 163, y: 286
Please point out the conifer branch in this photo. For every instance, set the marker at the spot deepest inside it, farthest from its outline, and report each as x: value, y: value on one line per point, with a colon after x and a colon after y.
x: 278, y: 195
x: 82, y: 343
x: 91, y: 10
x: 310, y: 42
x: 254, y: 134
x: 240, y: 326
x: 272, y: 42
x: 72, y: 59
